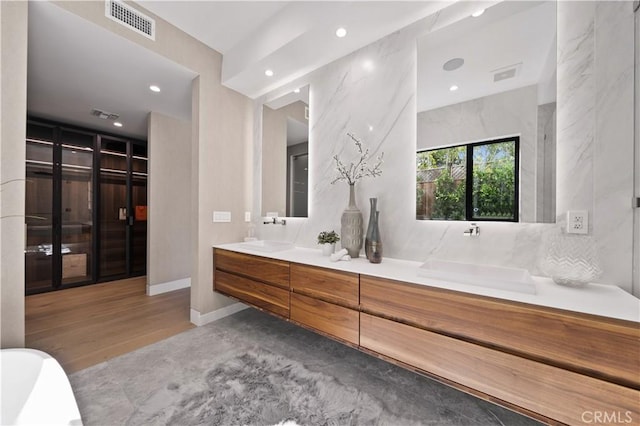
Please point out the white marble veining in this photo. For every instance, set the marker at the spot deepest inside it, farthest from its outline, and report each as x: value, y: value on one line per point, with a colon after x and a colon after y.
x: 592, y: 120
x: 596, y: 299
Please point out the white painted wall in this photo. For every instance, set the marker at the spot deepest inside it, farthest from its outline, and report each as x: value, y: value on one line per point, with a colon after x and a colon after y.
x: 594, y: 114
x: 169, y: 195
x: 13, y: 107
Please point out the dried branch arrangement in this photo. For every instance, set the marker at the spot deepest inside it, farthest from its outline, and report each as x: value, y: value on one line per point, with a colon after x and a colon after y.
x: 357, y: 170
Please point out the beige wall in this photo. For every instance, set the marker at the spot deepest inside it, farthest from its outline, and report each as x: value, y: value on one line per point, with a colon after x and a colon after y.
x: 169, y: 194
x: 13, y: 95
x: 274, y: 155
x: 221, y: 135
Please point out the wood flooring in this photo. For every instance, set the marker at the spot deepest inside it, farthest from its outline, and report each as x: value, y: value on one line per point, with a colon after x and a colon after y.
x: 84, y: 326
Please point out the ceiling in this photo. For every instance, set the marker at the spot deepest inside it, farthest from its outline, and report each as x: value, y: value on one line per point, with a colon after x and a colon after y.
x: 291, y: 38
x: 521, y: 33
x: 75, y: 66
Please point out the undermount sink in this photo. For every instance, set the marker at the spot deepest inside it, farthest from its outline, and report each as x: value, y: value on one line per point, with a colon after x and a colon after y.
x: 498, y: 277
x: 269, y: 246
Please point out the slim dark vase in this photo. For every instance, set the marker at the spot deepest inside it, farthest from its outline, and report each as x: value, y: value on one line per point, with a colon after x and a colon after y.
x: 373, y: 242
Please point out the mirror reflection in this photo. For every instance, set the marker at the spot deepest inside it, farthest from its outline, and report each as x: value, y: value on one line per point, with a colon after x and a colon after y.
x: 285, y: 155
x: 483, y: 81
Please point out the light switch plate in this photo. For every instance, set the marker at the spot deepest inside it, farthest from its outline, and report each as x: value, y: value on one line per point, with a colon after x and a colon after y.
x: 221, y: 216
x: 247, y: 216
x: 577, y: 222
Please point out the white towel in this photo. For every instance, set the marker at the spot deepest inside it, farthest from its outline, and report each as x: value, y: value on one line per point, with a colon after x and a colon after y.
x: 339, y: 255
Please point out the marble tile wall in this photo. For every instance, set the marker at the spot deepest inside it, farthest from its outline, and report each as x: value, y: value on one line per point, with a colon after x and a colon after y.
x: 371, y: 93
x: 513, y: 112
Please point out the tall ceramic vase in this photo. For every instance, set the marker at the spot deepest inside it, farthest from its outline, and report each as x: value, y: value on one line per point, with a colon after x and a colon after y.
x: 373, y: 242
x: 351, y: 226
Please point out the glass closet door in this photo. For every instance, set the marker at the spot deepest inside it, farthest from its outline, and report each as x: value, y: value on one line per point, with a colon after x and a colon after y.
x: 76, y: 206
x: 139, y: 199
x: 39, y: 210
x: 114, y: 208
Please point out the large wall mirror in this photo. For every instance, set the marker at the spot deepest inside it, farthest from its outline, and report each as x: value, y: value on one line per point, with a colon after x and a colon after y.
x: 285, y: 155
x: 486, y: 102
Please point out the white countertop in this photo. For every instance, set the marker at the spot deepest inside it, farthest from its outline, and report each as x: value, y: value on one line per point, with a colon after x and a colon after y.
x: 596, y: 299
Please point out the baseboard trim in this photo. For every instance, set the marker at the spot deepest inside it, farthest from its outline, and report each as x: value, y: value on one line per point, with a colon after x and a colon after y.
x: 199, y: 319
x: 152, y: 290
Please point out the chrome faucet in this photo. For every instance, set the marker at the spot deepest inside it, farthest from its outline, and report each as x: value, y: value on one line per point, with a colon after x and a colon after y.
x: 473, y: 231
x: 275, y: 221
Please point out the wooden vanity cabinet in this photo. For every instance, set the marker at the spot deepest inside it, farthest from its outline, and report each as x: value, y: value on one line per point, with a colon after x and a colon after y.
x: 258, y: 281
x: 600, y: 347
x: 531, y: 386
x: 551, y: 364
x: 327, y: 301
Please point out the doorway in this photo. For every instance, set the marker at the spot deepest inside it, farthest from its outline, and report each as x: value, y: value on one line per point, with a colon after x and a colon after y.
x: 85, y: 207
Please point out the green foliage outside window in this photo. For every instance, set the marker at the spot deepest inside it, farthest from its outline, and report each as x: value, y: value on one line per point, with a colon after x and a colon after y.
x: 441, y: 182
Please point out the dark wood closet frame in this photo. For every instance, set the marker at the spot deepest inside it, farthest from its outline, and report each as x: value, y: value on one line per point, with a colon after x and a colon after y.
x: 57, y: 129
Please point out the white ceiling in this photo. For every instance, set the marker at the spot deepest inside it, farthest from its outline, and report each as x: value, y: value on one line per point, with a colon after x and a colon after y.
x: 75, y: 66
x: 508, y: 33
x: 292, y: 38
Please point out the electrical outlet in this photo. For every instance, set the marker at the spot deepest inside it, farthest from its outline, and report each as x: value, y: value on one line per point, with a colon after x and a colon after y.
x: 247, y: 216
x: 577, y: 222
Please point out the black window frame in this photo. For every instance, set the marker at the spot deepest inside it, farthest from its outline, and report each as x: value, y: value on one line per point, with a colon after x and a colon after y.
x: 469, y: 178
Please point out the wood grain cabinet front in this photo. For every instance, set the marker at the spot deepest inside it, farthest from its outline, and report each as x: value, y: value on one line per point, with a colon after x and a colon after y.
x: 272, y: 271
x: 258, y: 281
x: 341, y: 288
x: 333, y: 320
x: 600, y: 347
x: 261, y: 295
x: 553, y: 392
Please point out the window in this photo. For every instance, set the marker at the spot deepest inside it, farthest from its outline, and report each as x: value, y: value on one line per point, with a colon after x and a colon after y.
x: 477, y: 181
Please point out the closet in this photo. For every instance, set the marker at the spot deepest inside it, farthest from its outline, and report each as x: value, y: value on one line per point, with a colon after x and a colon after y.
x: 85, y: 206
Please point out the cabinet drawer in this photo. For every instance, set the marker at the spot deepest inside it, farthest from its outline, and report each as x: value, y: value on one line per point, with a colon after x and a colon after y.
x: 272, y: 271
x: 553, y: 392
x: 600, y: 347
x: 332, y: 286
x: 265, y: 296
x: 328, y: 318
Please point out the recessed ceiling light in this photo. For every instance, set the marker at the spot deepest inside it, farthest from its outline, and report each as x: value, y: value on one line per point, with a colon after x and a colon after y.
x: 268, y: 73
x: 296, y: 91
x: 341, y: 32
x: 477, y: 13
x: 453, y: 88
x: 154, y: 88
x: 453, y: 64
x: 368, y: 65
x: 117, y: 124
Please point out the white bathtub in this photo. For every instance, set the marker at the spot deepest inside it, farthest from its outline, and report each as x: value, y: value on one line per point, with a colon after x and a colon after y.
x: 35, y: 390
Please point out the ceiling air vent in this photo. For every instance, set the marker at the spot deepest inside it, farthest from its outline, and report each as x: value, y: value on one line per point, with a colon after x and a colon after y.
x: 131, y: 18
x: 104, y: 114
x: 507, y: 72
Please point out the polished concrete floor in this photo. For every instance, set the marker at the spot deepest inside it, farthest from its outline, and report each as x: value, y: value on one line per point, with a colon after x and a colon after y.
x: 140, y: 387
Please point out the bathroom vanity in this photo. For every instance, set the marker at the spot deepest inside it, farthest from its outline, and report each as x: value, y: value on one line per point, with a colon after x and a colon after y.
x: 559, y: 355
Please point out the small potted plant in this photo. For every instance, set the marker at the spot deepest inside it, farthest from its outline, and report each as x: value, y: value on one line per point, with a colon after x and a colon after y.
x: 328, y: 240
